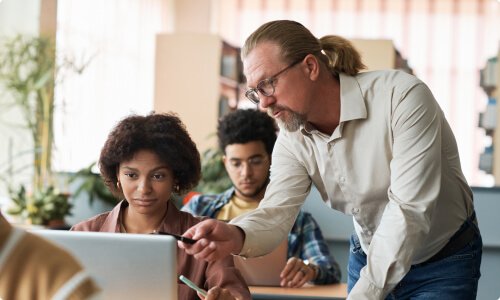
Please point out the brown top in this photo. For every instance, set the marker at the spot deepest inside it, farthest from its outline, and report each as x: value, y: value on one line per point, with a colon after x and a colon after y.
x: 33, y: 268
x: 206, y: 275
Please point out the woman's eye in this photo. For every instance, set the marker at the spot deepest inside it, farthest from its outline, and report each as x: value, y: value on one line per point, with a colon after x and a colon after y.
x: 158, y: 176
x: 131, y: 175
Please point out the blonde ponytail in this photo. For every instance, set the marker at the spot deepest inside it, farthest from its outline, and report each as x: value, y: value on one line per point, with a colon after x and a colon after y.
x: 296, y: 41
x: 342, y: 56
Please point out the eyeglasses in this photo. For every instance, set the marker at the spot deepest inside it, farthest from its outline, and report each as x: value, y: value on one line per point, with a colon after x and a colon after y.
x: 266, y: 86
x: 253, y: 162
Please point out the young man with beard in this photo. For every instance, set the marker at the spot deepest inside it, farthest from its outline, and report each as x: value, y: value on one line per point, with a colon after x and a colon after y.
x: 247, y: 139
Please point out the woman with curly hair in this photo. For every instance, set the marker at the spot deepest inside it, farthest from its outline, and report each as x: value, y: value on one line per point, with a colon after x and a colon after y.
x: 145, y: 160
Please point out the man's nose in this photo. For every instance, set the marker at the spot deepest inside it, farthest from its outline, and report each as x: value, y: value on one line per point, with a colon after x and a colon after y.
x: 246, y: 169
x: 266, y: 101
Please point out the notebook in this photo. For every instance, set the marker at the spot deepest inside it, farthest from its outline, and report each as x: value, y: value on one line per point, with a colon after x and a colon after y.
x: 125, y: 266
x: 263, y: 270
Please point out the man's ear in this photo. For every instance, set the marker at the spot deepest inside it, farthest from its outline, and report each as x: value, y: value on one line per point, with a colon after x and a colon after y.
x: 312, y: 66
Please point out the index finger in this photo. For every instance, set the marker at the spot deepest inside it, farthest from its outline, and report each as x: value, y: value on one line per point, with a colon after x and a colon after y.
x: 200, y: 230
x: 290, y: 264
x: 197, y: 232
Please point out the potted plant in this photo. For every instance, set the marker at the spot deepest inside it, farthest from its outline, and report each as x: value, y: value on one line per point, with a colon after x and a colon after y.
x: 47, y: 206
x: 92, y: 184
x: 214, y: 178
x: 28, y: 74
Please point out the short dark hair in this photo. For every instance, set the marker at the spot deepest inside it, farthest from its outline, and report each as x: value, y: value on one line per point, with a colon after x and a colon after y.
x: 246, y: 125
x: 165, y: 135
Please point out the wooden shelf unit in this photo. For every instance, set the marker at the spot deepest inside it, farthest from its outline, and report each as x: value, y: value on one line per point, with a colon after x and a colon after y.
x: 380, y: 54
x: 197, y: 76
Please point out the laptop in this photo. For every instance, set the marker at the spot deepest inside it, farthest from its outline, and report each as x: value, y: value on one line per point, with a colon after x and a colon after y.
x: 263, y: 270
x: 125, y: 266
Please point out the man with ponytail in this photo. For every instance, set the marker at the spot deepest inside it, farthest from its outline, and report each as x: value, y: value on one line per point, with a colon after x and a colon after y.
x: 377, y: 146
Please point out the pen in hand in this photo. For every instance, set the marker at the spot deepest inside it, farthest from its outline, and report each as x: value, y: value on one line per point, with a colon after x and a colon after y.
x: 178, y: 237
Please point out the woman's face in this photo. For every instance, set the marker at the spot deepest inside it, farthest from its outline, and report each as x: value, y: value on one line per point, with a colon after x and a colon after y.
x: 147, y: 182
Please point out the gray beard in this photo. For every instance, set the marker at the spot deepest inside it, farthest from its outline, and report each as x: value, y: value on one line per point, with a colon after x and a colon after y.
x: 290, y: 124
x: 293, y: 123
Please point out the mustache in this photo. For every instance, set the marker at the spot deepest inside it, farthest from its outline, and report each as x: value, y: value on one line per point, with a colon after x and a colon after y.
x: 271, y: 110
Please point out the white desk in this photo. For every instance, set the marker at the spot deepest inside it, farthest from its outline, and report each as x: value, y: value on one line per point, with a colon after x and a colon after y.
x: 317, y: 292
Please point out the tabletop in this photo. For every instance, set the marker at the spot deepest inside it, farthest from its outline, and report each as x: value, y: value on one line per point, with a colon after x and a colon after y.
x: 318, y: 292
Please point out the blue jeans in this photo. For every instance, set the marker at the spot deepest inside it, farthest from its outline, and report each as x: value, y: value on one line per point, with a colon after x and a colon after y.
x: 453, y: 277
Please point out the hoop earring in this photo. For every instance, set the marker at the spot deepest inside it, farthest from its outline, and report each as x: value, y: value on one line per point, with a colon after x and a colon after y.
x: 176, y: 188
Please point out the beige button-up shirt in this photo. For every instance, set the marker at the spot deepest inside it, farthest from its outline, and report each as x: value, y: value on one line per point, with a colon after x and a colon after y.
x: 392, y: 163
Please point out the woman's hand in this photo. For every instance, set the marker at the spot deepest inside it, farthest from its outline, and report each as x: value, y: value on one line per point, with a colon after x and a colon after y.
x: 296, y: 273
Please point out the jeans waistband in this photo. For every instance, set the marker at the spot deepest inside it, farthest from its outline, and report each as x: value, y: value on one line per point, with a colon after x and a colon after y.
x: 460, y: 239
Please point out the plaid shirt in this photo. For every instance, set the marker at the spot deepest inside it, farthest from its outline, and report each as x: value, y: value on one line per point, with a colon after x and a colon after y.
x: 304, y: 240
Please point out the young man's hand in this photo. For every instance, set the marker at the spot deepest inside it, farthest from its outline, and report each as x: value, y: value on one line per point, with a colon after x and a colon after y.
x: 296, y: 273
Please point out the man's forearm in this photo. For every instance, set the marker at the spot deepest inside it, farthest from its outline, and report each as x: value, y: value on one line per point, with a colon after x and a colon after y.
x: 239, y: 236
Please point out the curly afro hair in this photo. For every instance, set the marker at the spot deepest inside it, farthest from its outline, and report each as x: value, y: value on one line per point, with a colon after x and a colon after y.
x: 163, y: 134
x: 247, y: 125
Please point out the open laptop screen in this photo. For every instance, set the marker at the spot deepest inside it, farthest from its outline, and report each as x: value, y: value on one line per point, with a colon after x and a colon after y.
x: 125, y: 266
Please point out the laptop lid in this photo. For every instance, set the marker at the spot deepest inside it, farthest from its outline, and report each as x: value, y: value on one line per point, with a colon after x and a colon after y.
x: 125, y: 266
x: 263, y: 270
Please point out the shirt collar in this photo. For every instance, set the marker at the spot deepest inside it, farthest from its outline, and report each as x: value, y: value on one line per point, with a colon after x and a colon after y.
x: 228, y: 194
x: 352, y: 104
x: 111, y: 222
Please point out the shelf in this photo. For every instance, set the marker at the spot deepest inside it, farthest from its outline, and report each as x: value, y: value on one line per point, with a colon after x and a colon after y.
x: 490, y: 119
x: 380, y: 54
x: 199, y: 84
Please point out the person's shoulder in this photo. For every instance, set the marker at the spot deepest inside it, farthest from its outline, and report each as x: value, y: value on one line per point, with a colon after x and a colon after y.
x: 198, y: 203
x: 187, y: 220
x: 45, y: 259
x: 205, y: 198
x: 216, y: 198
x: 91, y: 224
x: 48, y: 255
x: 391, y: 78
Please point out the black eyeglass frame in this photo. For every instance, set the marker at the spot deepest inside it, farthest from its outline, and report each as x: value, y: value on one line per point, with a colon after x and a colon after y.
x: 270, y: 80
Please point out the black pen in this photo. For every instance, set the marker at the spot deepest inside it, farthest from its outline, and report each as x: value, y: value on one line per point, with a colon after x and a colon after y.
x: 178, y: 237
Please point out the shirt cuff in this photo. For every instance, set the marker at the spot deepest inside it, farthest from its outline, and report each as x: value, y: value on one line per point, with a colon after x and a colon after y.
x: 364, y: 289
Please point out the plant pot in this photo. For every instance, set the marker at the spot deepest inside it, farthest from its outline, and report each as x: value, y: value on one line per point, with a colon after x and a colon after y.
x: 57, y: 224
